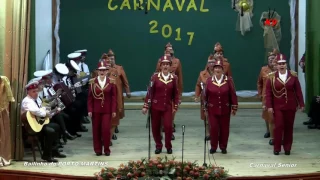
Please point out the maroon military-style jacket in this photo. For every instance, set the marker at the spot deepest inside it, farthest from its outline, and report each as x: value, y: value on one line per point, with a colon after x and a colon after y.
x: 102, y: 100
x: 283, y: 95
x: 163, y: 94
x: 221, y: 98
x: 176, y: 69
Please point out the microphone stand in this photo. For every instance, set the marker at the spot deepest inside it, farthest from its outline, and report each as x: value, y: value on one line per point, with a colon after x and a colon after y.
x: 205, y: 124
x: 183, y: 129
x: 149, y: 118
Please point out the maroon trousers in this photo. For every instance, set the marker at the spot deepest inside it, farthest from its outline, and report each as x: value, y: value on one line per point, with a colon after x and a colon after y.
x: 101, y: 127
x: 283, y: 128
x: 166, y: 117
x: 219, y: 130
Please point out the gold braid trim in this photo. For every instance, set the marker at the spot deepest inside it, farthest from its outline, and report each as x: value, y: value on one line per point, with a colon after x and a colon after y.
x: 98, y: 96
x: 275, y: 92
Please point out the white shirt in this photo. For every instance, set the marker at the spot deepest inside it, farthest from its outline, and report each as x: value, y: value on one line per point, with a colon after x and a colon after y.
x: 218, y: 80
x: 283, y: 77
x: 102, y: 83
x: 165, y: 77
x: 29, y: 104
x: 84, y: 68
x: 67, y: 81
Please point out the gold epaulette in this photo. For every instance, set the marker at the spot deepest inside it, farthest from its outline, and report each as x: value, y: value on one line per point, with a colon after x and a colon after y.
x: 91, y: 80
x: 112, y: 80
x: 271, y: 74
x: 294, y: 73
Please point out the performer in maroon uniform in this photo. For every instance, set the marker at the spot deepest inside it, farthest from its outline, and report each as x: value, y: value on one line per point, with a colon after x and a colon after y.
x: 102, y: 106
x: 283, y: 96
x: 221, y: 103
x: 161, y: 94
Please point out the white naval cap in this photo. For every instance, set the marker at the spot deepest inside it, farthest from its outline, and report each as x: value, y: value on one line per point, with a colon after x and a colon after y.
x: 32, y: 85
x: 38, y: 79
x: 62, y: 69
x: 81, y: 51
x: 74, y: 65
x: 42, y: 73
x: 74, y: 56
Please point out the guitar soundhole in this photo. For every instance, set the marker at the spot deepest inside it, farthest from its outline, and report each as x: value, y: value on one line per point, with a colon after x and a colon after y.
x: 41, y: 121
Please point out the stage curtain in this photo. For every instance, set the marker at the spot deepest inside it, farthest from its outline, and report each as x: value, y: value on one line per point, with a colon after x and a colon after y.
x: 312, y: 50
x: 16, y: 25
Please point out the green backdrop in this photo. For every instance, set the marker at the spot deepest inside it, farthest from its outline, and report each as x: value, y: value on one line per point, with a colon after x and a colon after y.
x: 93, y: 26
x: 312, y: 50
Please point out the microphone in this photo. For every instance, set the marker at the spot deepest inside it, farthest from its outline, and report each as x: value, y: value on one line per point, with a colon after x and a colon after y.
x: 140, y: 4
x: 146, y: 9
x: 183, y: 128
x: 201, y: 85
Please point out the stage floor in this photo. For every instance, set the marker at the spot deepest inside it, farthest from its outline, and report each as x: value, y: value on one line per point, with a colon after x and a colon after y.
x: 246, y: 147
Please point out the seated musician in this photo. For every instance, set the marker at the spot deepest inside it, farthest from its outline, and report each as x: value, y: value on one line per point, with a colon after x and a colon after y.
x: 78, y: 108
x: 61, y: 71
x: 54, y: 117
x: 49, y: 97
x: 50, y: 131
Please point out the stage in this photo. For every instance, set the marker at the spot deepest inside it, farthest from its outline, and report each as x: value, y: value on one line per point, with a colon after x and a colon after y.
x: 247, y: 148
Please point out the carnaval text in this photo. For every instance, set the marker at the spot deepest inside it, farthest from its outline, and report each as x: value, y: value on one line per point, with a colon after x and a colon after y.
x: 158, y: 5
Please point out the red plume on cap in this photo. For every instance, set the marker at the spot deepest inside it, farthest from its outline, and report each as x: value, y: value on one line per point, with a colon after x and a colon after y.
x: 165, y: 59
x: 218, y: 47
x: 103, y: 65
x: 281, y: 58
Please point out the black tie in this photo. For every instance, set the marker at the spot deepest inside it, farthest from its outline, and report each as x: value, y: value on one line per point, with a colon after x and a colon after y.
x: 37, y: 103
x: 82, y: 67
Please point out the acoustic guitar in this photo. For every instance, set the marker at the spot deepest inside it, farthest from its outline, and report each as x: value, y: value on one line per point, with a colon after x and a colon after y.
x: 34, y: 124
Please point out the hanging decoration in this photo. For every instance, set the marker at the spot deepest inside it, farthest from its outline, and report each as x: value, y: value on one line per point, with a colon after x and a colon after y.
x: 244, y: 9
x: 140, y: 5
x: 270, y: 22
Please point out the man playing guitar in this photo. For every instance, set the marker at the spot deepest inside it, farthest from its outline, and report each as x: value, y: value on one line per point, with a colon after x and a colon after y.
x: 50, y: 131
x: 50, y: 96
